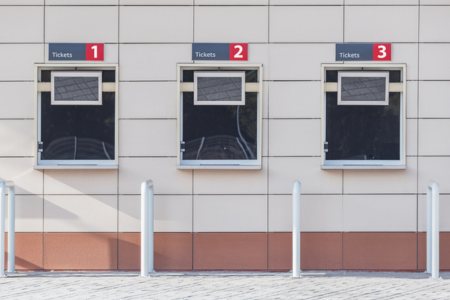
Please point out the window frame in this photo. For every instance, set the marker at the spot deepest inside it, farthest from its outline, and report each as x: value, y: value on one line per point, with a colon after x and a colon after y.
x: 257, y: 87
x: 360, y: 74
x: 216, y: 74
x: 97, y: 74
x: 46, y: 87
x: 393, y: 87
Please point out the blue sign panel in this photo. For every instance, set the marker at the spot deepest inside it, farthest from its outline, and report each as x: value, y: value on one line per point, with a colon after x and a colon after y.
x: 346, y: 52
x: 66, y: 51
x: 210, y: 51
x: 365, y: 51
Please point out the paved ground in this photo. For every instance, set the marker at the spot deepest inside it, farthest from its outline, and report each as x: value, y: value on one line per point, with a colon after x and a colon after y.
x: 312, y: 285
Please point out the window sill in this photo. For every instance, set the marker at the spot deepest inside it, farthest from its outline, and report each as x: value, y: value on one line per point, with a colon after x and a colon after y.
x: 219, y: 167
x: 363, y: 167
x: 76, y: 167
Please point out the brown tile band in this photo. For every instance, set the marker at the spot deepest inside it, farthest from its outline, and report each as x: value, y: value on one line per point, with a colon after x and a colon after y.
x: 393, y: 251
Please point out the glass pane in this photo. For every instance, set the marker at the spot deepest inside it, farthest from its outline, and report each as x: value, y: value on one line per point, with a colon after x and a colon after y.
x: 363, y: 132
x: 219, y: 89
x: 212, y: 132
x: 76, y: 88
x: 78, y: 132
x: 363, y: 89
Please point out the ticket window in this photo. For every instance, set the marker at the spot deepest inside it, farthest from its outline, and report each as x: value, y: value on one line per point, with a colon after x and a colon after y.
x: 363, y: 119
x: 220, y: 116
x: 76, y: 116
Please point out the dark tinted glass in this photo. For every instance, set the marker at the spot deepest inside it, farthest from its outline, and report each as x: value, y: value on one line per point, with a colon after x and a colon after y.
x: 219, y: 89
x: 363, y: 88
x: 78, y: 132
x: 331, y: 76
x: 212, y: 132
x: 363, y: 132
x: 76, y: 88
x: 109, y: 76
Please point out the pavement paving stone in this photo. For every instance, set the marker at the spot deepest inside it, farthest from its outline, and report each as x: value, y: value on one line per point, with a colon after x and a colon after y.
x: 223, y: 285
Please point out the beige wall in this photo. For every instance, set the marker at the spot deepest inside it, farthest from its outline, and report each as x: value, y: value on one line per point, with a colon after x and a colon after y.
x: 291, y: 38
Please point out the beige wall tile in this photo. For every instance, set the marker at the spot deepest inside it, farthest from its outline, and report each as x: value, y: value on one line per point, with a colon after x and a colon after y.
x: 434, y: 137
x: 412, y: 99
x: 17, y: 97
x: 231, y: 181
x: 434, y: 169
x: 434, y: 61
x: 213, y: 24
x: 231, y: 2
x: 407, y: 54
x: 148, y: 137
x: 381, y: 2
x: 16, y: 30
x: 156, y: 2
x: 148, y: 100
x: 444, y: 211
x: 433, y: 19
x: 398, y: 24
x: 411, y: 137
x: 380, y: 213
x: 318, y: 213
x: 149, y: 24
x: 172, y: 213
x: 434, y: 2
x: 17, y: 61
x: 80, y: 213
x: 62, y: 24
x: 299, y: 99
x: 80, y: 181
x: 299, y: 62
x: 294, y: 24
x: 162, y: 170
x: 29, y: 214
x: 382, y: 181
x: 82, y: 2
x: 17, y: 137
x: 283, y: 171
x: 21, y: 2
x: 306, y: 2
x: 294, y: 137
x: 21, y: 172
x: 259, y: 54
x: 233, y: 213
x: 434, y: 99
x: 152, y: 62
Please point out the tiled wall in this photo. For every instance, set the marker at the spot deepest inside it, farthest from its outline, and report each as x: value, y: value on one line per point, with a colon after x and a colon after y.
x: 207, y: 219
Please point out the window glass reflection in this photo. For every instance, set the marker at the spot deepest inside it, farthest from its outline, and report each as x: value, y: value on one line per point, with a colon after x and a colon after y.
x: 226, y: 132
x: 78, y: 132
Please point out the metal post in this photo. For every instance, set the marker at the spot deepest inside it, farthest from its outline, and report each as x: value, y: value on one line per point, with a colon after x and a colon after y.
x: 2, y: 227
x: 433, y: 230
x: 146, y: 228
x: 11, y: 228
x: 296, y: 229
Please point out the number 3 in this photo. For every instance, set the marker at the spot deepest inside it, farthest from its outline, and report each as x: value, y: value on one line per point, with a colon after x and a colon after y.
x: 382, y: 51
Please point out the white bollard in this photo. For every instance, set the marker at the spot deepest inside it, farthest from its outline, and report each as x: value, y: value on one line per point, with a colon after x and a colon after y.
x: 11, y: 228
x: 433, y: 230
x: 296, y: 229
x: 146, y: 228
x: 2, y: 227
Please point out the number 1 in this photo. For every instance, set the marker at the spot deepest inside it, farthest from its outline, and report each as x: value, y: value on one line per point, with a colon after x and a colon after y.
x: 94, y: 48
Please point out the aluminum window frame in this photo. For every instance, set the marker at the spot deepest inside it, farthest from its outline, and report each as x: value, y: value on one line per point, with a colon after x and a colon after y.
x: 97, y: 74
x: 255, y: 164
x: 220, y: 74
x: 40, y: 164
x: 363, y: 74
x: 393, y: 87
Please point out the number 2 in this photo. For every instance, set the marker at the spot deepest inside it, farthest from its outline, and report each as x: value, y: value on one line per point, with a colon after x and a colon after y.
x: 238, y: 51
x: 238, y: 54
